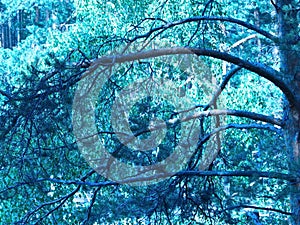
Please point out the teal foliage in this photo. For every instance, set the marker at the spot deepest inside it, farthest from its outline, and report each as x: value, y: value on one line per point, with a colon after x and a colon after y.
x: 40, y: 162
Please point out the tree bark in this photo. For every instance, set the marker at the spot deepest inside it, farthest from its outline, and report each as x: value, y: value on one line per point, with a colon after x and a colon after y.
x: 37, y: 15
x: 290, y: 66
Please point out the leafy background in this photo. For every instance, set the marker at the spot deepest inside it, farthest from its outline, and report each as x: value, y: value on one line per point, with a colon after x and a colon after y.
x: 41, y: 165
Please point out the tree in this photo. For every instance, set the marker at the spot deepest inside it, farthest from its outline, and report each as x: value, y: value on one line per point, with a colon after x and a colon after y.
x: 19, y: 20
x: 247, y: 50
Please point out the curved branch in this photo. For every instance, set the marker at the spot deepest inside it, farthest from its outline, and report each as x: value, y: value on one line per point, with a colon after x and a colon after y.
x: 230, y: 112
x: 174, y: 122
x: 240, y: 42
x: 208, y: 136
x: 209, y: 18
x: 259, y: 208
x: 89, y: 210
x: 215, y: 112
x: 60, y: 200
x: 262, y: 70
x: 217, y: 93
x: 222, y: 86
x: 238, y: 126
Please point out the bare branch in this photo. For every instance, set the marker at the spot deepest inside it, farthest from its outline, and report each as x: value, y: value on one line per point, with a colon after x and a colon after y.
x: 258, y: 208
x: 79, y: 183
x: 216, y: 112
x: 60, y: 200
x: 262, y: 70
x: 236, y: 44
x: 4, y: 93
x: 238, y: 126
x: 209, y: 18
x: 222, y: 86
x: 229, y: 112
x: 217, y: 93
x: 89, y: 210
x: 59, y: 205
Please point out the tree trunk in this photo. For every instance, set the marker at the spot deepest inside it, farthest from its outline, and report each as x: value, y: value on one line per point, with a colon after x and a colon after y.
x: 9, y: 34
x: 290, y: 66
x: 37, y: 15
x: 2, y: 35
x: 20, y: 25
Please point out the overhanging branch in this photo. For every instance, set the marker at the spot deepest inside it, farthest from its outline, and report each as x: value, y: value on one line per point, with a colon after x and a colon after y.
x: 262, y: 70
x: 229, y: 112
x: 238, y: 126
x: 215, y: 112
x: 208, y: 18
x: 258, y: 208
x: 222, y: 87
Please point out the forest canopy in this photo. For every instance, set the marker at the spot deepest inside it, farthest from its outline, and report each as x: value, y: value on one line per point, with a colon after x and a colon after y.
x: 149, y: 112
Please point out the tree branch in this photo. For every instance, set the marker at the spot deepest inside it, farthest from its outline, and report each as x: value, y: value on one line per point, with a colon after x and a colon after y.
x: 229, y: 112
x: 236, y: 44
x: 228, y: 76
x: 209, y: 18
x: 89, y: 210
x: 5, y: 94
x: 259, y: 208
x: 60, y: 200
x: 238, y: 126
x: 216, y: 112
x: 262, y: 70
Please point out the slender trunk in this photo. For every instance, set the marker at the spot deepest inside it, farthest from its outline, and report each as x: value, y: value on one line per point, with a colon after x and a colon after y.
x: 2, y: 35
x: 20, y: 25
x: 10, y: 34
x: 5, y: 37
x: 48, y: 15
x: 37, y: 15
x: 257, y: 23
x: 290, y: 66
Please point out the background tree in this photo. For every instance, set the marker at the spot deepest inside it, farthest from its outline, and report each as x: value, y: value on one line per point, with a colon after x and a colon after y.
x: 251, y: 51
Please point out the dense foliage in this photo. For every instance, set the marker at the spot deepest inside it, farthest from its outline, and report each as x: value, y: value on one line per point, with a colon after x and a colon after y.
x: 240, y: 171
